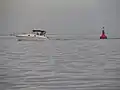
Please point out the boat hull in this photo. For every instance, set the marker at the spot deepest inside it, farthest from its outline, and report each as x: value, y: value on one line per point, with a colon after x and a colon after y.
x: 31, y: 38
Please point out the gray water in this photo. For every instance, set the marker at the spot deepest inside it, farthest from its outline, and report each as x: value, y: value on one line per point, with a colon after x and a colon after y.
x: 62, y: 63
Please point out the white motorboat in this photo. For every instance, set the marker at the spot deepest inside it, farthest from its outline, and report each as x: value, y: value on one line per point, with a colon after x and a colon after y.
x: 35, y: 35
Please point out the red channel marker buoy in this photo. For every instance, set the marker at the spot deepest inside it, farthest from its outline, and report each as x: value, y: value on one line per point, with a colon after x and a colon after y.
x: 103, y: 36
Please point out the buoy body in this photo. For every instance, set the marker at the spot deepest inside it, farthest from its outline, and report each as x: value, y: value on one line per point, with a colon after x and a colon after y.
x: 103, y: 36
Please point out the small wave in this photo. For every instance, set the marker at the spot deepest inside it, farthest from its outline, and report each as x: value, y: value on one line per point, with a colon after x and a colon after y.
x: 61, y: 39
x: 113, y: 38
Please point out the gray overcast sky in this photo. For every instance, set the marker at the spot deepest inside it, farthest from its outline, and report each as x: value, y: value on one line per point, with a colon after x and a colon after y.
x: 59, y: 16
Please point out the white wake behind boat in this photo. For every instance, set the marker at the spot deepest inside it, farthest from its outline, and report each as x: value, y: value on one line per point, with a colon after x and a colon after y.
x: 35, y: 35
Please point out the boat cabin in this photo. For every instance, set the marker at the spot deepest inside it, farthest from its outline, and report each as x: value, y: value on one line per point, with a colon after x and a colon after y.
x: 39, y: 32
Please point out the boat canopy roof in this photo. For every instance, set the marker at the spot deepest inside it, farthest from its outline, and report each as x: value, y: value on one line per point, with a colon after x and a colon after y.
x: 38, y: 31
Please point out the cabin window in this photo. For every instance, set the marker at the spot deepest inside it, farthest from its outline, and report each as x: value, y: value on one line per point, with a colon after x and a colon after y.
x: 28, y: 35
x: 37, y: 33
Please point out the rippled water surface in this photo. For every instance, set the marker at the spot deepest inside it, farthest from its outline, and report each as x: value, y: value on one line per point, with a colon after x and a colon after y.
x: 60, y: 64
